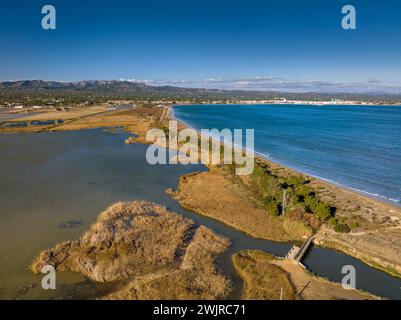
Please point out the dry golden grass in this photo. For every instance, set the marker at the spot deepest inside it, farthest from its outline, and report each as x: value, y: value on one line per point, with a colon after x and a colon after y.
x: 197, y: 277
x: 375, y: 240
x: 128, y: 238
x: 310, y: 287
x: 262, y: 279
x: 215, y: 194
x: 156, y: 254
x: 74, y: 113
x: 264, y: 276
x: 137, y: 120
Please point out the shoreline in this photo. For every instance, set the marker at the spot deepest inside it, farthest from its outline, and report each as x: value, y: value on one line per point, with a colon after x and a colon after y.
x: 293, y: 276
x: 326, y: 238
x: 130, y: 127
x: 260, y: 156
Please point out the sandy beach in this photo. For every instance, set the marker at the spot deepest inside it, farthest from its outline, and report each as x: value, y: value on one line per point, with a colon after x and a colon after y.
x: 376, y: 239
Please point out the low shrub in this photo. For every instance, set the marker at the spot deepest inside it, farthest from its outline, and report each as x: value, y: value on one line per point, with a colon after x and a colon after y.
x: 271, y: 189
x: 272, y: 205
x: 342, y: 228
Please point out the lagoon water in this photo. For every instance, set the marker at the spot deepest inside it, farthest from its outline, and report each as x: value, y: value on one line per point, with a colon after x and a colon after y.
x: 354, y: 146
x: 54, y: 185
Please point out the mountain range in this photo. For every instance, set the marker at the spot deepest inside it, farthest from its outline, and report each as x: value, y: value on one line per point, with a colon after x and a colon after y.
x: 117, y: 89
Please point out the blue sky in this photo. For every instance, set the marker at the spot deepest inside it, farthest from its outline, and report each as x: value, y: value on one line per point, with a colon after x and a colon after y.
x: 287, y: 45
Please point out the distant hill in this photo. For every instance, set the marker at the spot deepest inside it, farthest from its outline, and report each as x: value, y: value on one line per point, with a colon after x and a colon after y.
x: 114, y: 89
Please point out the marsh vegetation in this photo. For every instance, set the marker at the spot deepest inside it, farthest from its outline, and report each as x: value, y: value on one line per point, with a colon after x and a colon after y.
x: 147, y: 251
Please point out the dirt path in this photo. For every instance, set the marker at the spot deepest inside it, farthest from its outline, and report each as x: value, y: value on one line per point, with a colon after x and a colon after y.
x: 315, y: 288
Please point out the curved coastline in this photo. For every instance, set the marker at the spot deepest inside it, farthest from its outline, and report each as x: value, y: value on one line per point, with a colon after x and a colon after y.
x: 217, y: 220
x: 374, y: 196
x: 370, y: 259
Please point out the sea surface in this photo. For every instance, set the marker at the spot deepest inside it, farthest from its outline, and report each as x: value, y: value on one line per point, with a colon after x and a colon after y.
x: 354, y: 146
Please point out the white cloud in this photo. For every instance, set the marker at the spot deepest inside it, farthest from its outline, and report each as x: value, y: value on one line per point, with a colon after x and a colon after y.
x: 272, y: 83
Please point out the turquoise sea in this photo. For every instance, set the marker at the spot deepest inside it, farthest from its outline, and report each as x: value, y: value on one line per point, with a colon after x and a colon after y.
x: 354, y: 146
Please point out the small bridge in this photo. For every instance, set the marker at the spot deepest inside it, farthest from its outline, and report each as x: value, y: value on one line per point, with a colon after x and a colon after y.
x: 297, y: 253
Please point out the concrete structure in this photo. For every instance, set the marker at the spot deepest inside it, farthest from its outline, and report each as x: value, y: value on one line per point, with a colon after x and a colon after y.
x: 297, y: 253
x: 292, y: 253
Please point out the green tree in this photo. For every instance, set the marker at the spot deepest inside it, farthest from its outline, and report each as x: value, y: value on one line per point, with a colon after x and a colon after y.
x: 272, y: 205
